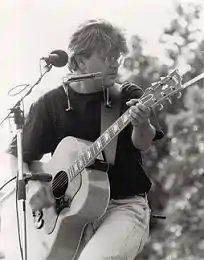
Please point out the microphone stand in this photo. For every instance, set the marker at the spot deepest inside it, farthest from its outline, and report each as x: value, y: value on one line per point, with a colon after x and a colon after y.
x: 21, y: 183
x: 21, y: 180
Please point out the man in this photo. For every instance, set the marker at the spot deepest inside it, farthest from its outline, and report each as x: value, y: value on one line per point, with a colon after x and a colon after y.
x: 75, y: 110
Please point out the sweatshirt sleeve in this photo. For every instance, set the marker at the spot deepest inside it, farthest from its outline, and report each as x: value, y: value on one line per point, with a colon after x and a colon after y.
x: 36, y: 134
x: 130, y: 91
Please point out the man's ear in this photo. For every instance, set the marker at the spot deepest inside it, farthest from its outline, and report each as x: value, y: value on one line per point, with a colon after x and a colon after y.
x: 81, y: 62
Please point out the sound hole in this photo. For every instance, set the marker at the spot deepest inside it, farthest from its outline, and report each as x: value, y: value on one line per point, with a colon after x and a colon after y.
x: 60, y: 184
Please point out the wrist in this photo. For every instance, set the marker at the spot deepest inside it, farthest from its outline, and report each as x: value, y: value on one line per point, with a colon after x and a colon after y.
x: 144, y: 124
x: 145, y: 128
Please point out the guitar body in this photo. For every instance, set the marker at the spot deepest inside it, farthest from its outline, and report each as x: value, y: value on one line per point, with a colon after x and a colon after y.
x: 86, y: 197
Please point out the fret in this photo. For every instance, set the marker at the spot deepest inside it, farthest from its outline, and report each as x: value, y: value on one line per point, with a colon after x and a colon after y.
x: 84, y: 158
x: 111, y: 132
x: 92, y: 151
x: 125, y: 118
x: 80, y: 162
x: 120, y: 123
x: 69, y: 172
x: 87, y: 155
x: 106, y: 136
x: 75, y: 166
x: 99, y: 144
x: 115, y: 127
x: 95, y: 148
x: 72, y: 172
x: 102, y: 140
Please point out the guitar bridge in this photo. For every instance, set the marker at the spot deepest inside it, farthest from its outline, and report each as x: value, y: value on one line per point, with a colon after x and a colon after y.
x: 61, y: 203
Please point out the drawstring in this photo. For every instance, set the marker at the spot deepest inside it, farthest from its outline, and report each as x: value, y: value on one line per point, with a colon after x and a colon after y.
x: 66, y: 89
x: 108, y: 102
x: 106, y: 97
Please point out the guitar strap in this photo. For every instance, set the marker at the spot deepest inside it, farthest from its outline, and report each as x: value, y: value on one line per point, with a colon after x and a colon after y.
x: 109, y: 115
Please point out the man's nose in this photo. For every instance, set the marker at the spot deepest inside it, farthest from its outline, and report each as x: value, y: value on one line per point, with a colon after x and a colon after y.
x: 114, y: 64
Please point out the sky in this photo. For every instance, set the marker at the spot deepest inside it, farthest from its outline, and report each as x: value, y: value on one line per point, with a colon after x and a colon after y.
x: 32, y: 29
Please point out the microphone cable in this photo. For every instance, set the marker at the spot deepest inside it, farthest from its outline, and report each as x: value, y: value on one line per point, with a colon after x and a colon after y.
x: 17, y: 212
x: 6, y: 183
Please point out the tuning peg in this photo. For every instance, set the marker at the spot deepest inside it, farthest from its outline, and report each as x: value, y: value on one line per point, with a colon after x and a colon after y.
x: 150, y: 89
x: 179, y: 95
x: 154, y: 84
x: 160, y: 107
x: 169, y: 100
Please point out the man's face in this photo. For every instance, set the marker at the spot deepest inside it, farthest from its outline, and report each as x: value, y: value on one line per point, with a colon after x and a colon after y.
x: 108, y: 66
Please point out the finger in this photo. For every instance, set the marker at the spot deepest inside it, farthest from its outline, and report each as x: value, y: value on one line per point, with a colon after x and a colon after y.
x: 137, y: 117
x: 132, y: 102
x: 138, y: 112
x: 143, y: 108
x: 135, y: 120
x: 144, y: 112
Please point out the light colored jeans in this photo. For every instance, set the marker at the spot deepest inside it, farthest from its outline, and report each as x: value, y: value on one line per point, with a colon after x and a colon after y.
x: 120, y: 234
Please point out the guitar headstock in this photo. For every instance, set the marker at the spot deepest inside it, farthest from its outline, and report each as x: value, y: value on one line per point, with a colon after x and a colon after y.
x: 162, y: 90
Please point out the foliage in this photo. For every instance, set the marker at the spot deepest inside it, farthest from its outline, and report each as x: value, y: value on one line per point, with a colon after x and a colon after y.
x: 176, y: 163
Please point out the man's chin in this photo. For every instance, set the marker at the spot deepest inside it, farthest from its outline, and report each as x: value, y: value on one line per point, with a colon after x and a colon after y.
x: 109, y: 82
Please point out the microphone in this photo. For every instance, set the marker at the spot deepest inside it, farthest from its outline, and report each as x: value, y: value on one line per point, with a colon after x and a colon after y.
x: 96, y: 75
x: 43, y: 177
x: 57, y: 58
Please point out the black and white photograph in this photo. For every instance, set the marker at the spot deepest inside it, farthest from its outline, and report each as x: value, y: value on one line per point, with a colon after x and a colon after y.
x: 102, y: 130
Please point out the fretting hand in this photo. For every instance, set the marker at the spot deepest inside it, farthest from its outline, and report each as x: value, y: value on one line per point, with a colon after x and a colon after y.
x: 139, y: 113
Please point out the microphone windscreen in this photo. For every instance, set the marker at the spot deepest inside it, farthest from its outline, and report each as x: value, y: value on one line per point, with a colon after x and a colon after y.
x: 61, y: 59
